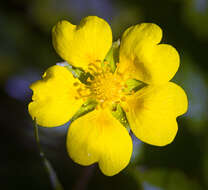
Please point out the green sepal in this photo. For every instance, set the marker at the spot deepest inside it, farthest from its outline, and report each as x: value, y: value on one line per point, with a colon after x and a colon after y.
x: 87, y: 107
x: 112, y: 56
x: 118, y: 112
x: 79, y: 73
x: 133, y: 85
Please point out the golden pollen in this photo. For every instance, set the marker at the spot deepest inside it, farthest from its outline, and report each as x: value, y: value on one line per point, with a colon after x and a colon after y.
x: 107, y: 88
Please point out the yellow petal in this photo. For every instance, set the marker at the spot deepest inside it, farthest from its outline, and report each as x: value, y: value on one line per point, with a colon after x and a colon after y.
x: 142, y: 58
x: 153, y: 110
x: 82, y: 44
x: 99, y: 137
x: 53, y: 98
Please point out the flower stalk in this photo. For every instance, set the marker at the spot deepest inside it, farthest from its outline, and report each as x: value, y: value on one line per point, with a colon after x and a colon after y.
x: 55, y: 183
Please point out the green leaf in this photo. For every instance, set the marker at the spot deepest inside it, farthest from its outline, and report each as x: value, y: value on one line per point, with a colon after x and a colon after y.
x: 118, y: 112
x: 88, y: 106
x: 112, y: 56
x: 169, y: 179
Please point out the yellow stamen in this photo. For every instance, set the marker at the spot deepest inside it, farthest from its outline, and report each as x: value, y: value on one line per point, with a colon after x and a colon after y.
x: 105, y: 87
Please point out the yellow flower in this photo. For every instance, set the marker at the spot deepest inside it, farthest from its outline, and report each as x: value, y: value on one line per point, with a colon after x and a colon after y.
x: 151, y: 110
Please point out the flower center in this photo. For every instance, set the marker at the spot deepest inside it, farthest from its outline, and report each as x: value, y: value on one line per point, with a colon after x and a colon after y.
x: 105, y: 87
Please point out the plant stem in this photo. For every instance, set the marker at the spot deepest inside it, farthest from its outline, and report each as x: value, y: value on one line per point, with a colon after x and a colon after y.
x: 84, y: 179
x: 55, y: 183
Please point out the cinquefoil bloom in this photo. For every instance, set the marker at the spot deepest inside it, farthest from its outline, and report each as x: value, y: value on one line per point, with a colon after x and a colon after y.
x: 151, y: 110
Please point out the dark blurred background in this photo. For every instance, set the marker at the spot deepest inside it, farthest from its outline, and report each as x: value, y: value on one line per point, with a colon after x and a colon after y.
x: 26, y: 51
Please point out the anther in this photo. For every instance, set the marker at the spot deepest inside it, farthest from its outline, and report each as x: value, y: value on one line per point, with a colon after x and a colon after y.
x: 76, y: 84
x: 123, y: 99
x: 132, y: 92
x: 92, y: 70
x: 114, y: 108
x: 94, y: 66
x: 76, y: 97
x: 126, y: 110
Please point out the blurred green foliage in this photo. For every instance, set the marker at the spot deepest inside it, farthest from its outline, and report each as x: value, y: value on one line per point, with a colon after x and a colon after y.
x: 25, y: 43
